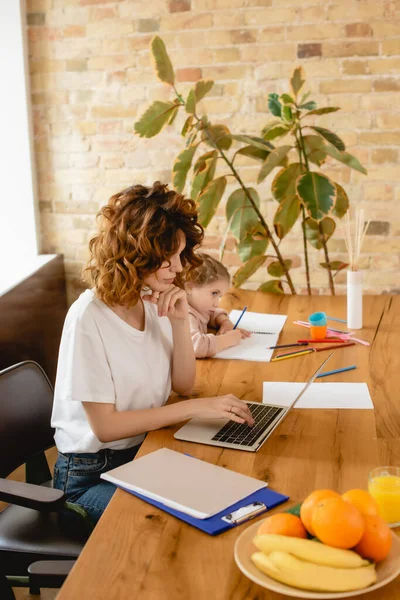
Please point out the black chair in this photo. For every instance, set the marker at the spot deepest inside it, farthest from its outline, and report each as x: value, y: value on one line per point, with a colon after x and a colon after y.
x: 29, y: 526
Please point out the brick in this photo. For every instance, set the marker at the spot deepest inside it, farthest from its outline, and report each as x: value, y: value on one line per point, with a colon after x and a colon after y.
x: 179, y: 5
x: 378, y: 228
x: 271, y: 52
x: 34, y: 6
x: 107, y: 63
x: 193, y: 74
x: 386, y: 85
x: 381, y: 191
x: 226, y: 72
x: 383, y: 155
x: 36, y: 18
x: 114, y: 46
x: 317, y: 31
x: 358, y: 30
x: 76, y: 65
x: 350, y: 49
x: 259, y: 3
x: 103, y: 12
x: 219, y: 4
x: 387, y: 120
x: 184, y: 21
x: 107, y: 112
x: 387, y: 28
x: 110, y: 28
x: 218, y: 37
x: 268, y: 17
x: 342, y: 85
x: 93, y: 2
x: 85, y: 127
x: 192, y: 56
x: 67, y: 15
x: 271, y: 34
x: 379, y: 102
x: 390, y: 47
x: 309, y: 50
x: 355, y: 10
x: 226, y: 55
x: 384, y: 66
x: 228, y: 19
x: 87, y: 160
x: 243, y: 36
x: 312, y: 14
x: 321, y: 68
x: 112, y: 161
x: 43, y: 65
x: 220, y: 105
x: 379, y: 138
x: 78, y: 96
x: 355, y: 67
x: 148, y: 25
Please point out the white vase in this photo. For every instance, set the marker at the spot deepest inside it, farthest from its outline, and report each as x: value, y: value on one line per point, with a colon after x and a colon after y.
x: 354, y: 300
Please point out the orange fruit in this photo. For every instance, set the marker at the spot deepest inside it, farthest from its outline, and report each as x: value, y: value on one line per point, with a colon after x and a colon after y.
x: 376, y: 541
x: 283, y: 524
x: 337, y: 523
x: 310, y: 503
x: 366, y: 504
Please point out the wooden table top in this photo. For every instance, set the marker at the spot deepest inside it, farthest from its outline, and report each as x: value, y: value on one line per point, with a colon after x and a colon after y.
x: 138, y: 551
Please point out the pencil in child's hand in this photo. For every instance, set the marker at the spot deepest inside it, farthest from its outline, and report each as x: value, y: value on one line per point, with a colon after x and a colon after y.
x: 238, y: 321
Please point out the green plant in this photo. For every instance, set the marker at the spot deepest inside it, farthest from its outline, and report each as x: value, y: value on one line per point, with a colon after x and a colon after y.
x: 301, y: 191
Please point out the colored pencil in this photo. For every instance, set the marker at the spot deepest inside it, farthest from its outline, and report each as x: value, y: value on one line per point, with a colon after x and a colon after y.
x: 300, y: 343
x: 334, y: 347
x: 323, y: 341
x: 238, y: 321
x: 292, y: 354
x: 336, y: 371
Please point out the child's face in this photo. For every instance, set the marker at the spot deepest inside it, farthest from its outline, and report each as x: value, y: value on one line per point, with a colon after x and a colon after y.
x: 206, y: 298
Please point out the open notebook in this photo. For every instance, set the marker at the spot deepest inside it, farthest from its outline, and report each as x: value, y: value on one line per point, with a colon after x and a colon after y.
x: 266, y: 329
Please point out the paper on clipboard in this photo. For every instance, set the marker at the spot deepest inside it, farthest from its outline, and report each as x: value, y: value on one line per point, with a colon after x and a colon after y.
x: 319, y: 395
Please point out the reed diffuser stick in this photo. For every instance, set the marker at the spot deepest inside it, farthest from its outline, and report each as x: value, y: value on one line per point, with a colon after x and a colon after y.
x: 354, y: 233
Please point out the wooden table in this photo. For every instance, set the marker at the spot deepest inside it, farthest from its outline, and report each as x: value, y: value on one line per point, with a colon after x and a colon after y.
x: 138, y: 551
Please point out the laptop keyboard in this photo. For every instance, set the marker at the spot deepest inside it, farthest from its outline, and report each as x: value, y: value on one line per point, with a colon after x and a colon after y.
x: 243, y: 434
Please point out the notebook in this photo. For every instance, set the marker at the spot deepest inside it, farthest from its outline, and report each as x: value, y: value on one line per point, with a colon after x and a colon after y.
x: 332, y: 395
x: 265, y: 330
x: 180, y: 482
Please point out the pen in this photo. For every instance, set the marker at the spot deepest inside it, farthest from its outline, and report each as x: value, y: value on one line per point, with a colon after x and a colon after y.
x: 299, y: 343
x: 238, y: 321
x: 336, y: 371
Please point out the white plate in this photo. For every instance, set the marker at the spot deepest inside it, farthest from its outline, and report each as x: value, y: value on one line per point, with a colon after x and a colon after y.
x: 386, y: 571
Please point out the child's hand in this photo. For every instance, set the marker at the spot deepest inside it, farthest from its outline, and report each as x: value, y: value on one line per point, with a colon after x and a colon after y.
x: 234, y: 337
x: 225, y: 326
x: 245, y: 333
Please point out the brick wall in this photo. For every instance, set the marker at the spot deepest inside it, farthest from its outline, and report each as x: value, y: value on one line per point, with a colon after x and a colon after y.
x: 91, y: 77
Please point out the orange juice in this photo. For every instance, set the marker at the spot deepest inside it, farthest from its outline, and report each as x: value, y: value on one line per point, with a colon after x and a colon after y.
x: 384, y: 486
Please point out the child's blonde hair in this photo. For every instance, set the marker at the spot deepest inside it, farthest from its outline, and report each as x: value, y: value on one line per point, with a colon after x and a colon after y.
x: 209, y: 271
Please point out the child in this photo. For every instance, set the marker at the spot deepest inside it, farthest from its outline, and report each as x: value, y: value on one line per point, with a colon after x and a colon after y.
x: 205, y: 285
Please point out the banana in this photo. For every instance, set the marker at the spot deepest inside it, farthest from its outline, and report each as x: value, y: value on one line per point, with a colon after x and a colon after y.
x: 314, y: 552
x: 285, y: 568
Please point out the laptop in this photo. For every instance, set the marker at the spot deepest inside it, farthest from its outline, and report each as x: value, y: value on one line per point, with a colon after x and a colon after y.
x: 240, y: 436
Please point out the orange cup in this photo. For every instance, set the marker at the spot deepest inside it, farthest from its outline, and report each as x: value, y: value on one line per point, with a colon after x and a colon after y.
x: 318, y: 332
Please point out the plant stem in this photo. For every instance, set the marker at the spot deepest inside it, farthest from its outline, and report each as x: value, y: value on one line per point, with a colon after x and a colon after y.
x: 322, y: 236
x: 303, y: 222
x: 262, y: 221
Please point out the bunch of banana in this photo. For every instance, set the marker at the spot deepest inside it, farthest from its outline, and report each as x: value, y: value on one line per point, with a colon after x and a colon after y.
x: 310, y: 565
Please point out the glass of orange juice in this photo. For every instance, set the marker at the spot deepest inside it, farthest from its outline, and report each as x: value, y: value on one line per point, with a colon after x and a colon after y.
x: 384, y: 486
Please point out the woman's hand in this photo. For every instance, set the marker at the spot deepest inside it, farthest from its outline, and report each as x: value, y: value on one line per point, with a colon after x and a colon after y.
x: 227, y: 406
x: 172, y: 303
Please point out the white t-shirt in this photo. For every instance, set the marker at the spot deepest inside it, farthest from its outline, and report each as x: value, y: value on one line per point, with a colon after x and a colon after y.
x: 103, y: 359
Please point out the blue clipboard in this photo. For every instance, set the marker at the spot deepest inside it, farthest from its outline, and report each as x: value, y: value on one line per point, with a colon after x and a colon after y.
x: 265, y: 499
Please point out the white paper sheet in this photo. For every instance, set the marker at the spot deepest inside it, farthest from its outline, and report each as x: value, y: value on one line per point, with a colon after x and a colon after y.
x: 255, y: 347
x: 318, y: 395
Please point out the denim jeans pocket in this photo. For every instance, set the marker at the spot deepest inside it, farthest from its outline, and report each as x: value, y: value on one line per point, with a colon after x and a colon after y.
x: 87, y: 465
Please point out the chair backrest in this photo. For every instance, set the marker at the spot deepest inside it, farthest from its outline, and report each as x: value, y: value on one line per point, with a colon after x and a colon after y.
x: 26, y: 401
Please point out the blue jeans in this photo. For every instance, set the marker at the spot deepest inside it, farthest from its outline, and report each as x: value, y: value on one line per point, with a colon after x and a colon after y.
x: 78, y: 476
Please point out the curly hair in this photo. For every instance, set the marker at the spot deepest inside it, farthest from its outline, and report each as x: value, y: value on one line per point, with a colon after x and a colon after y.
x: 209, y: 271
x: 139, y: 231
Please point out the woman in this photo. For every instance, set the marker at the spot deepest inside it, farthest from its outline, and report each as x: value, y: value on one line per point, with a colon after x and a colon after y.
x: 122, y: 349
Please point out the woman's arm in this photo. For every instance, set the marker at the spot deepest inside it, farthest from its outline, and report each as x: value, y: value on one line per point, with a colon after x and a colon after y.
x: 183, y: 359
x: 109, y: 425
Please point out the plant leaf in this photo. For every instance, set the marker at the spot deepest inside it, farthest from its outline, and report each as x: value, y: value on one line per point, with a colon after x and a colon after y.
x: 335, y: 265
x: 313, y: 233
x: 275, y: 268
x: 344, y: 157
x: 286, y: 215
x: 181, y: 167
x: 209, y: 200
x: 217, y: 136
x: 331, y: 137
x: 253, y: 152
x: 245, y: 216
x: 174, y: 112
x: 273, y: 286
x: 298, y: 79
x: 248, y: 269
x: 190, y: 105
x: 204, y: 171
x: 163, y: 65
x: 284, y: 184
x: 318, y: 194
x: 274, y: 105
x: 272, y: 161
x: 187, y: 125
x: 342, y: 202
x: 154, y: 119
x: 323, y: 111
x: 315, y: 149
x: 287, y: 113
x: 277, y: 131
x: 287, y: 99
x: 250, y: 247
x: 202, y: 87
x: 311, y: 105
x: 253, y: 140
